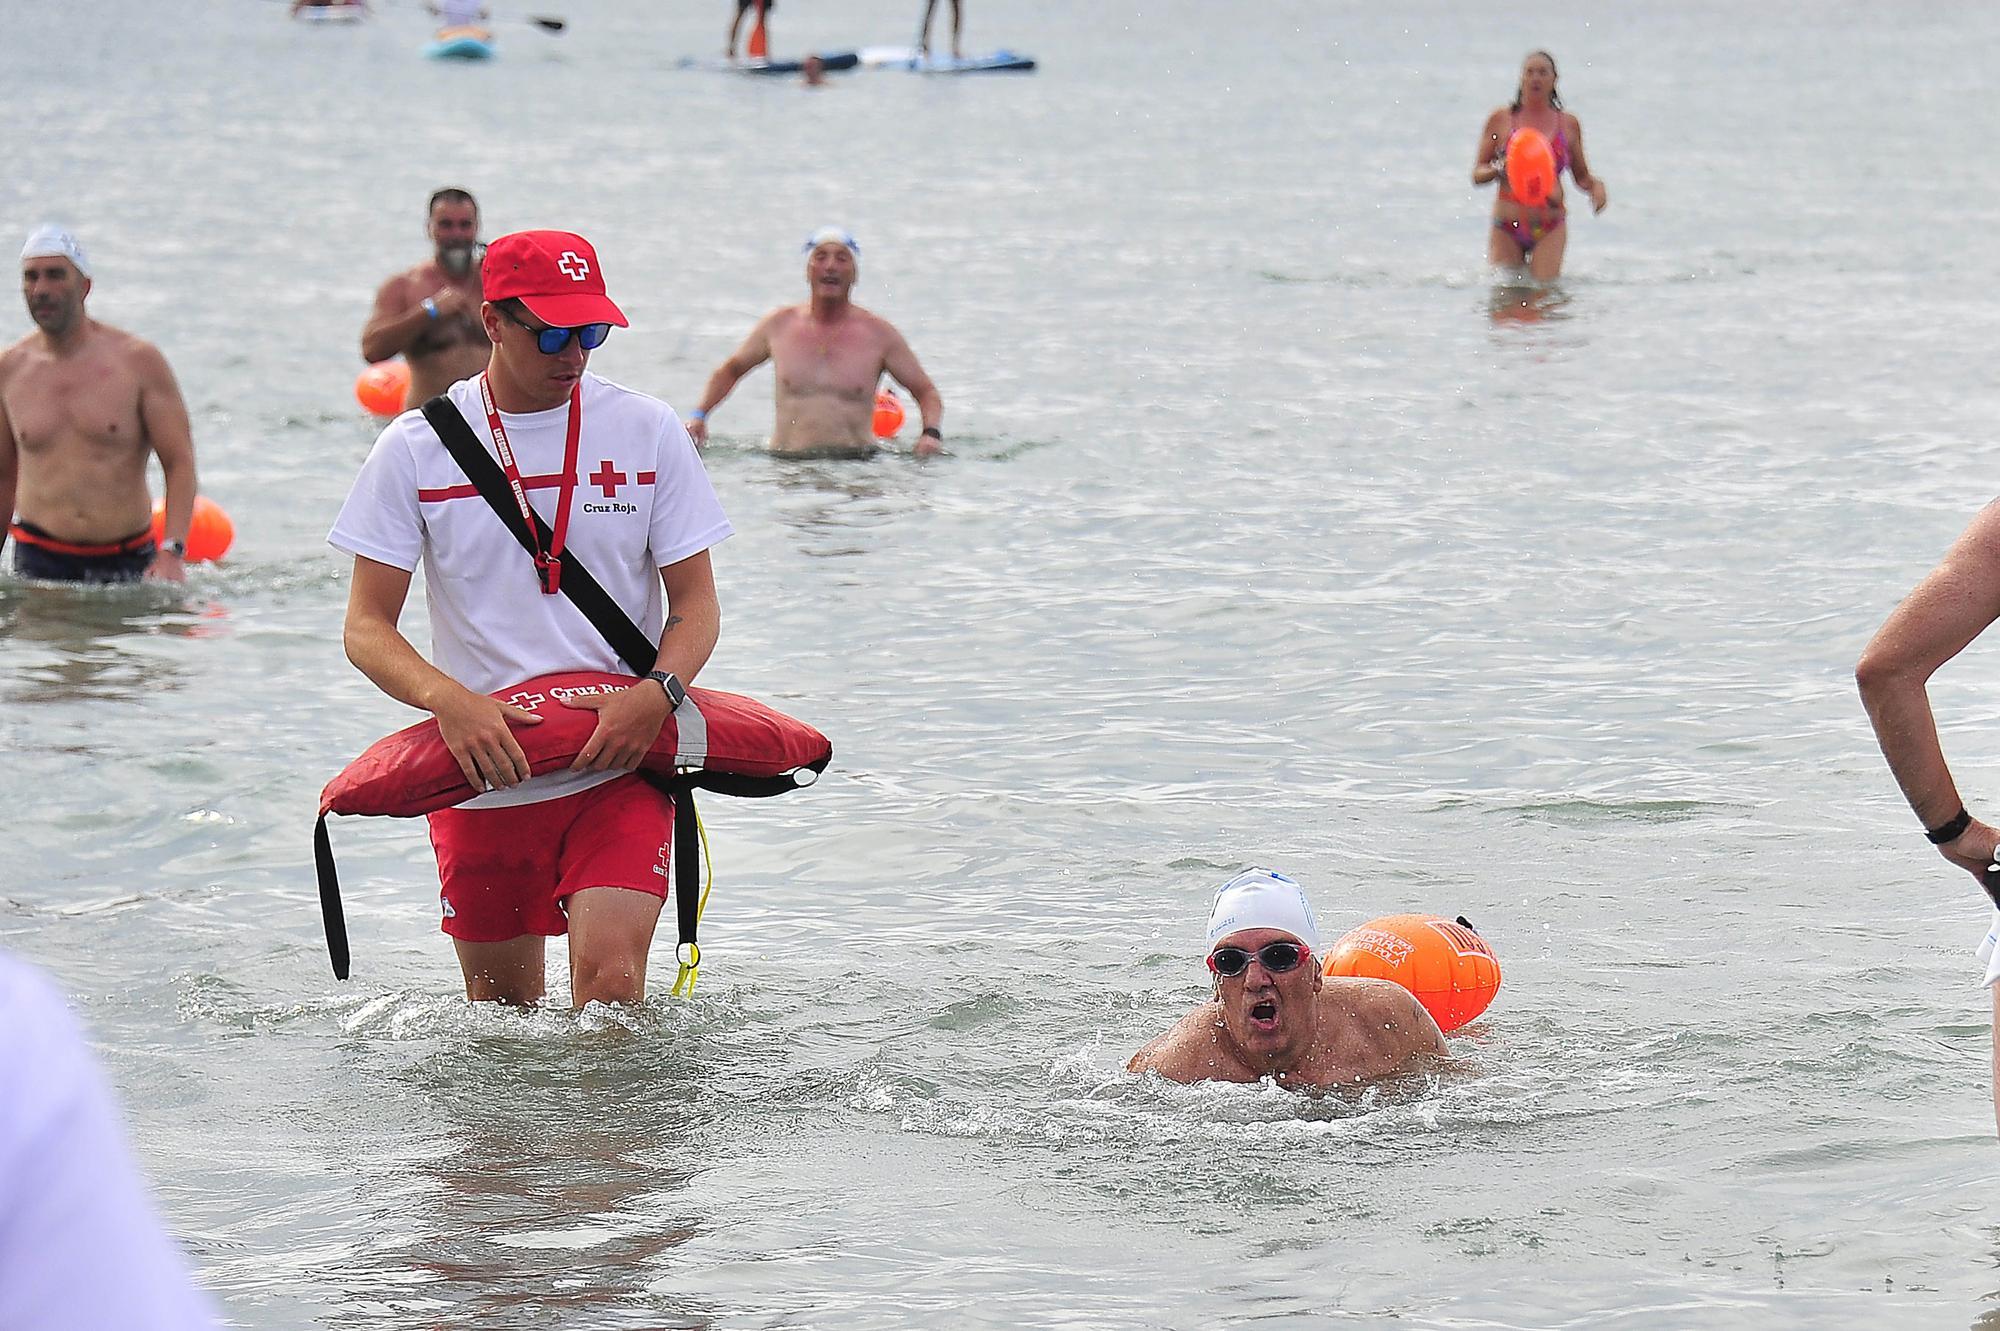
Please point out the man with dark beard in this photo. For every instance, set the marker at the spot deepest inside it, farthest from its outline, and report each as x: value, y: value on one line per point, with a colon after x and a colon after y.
x: 1275, y: 1015
x: 430, y: 315
x: 82, y: 407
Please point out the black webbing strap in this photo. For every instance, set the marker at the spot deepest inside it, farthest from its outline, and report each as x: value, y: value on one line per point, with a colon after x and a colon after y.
x: 577, y: 584
x: 329, y: 900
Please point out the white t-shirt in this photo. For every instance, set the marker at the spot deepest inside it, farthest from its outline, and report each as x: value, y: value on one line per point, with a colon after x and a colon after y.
x: 80, y: 1243
x: 641, y: 501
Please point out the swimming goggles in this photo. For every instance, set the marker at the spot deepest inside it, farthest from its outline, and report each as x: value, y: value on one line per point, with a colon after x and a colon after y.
x: 1276, y: 958
x: 549, y: 341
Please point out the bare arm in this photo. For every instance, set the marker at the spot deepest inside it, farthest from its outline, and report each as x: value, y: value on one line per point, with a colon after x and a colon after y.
x: 399, y: 316
x: 1579, y: 169
x: 1489, y: 156
x: 756, y: 349
x: 1952, y: 605
x: 10, y: 468
x: 163, y: 416
x: 901, y: 363
x: 629, y: 721
x: 474, y: 726
x: 1187, y: 1053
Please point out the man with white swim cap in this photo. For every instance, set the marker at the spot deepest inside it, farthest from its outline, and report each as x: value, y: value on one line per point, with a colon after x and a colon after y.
x: 1274, y: 1015
x: 82, y: 407
x: 829, y: 356
x: 429, y: 314
x: 1941, y: 617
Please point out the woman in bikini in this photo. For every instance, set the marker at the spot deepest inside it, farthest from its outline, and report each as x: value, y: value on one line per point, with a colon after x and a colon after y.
x: 1523, y: 235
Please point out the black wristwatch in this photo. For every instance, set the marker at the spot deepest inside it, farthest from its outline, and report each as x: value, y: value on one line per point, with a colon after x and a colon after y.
x: 676, y: 691
x: 178, y: 549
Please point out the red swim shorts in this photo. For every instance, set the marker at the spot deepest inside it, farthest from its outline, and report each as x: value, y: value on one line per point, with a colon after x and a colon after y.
x: 506, y: 872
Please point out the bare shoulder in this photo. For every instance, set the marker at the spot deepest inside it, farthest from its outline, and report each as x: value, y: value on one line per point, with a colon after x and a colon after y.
x: 1391, y: 1016
x: 133, y: 354
x: 1187, y: 1052
x: 14, y: 355
x: 1572, y: 127
x: 1498, y: 118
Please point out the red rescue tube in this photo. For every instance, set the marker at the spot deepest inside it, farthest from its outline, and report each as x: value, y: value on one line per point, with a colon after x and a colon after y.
x: 716, y: 741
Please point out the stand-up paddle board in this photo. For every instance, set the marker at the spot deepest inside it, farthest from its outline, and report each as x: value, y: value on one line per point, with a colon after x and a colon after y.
x: 829, y: 60
x: 331, y: 13
x: 908, y: 57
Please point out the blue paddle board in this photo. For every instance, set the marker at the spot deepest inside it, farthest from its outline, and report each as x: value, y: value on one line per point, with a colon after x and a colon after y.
x: 908, y: 57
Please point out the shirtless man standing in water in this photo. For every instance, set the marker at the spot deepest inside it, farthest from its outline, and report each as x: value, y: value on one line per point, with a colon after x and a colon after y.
x: 430, y: 315
x: 829, y: 355
x: 82, y: 404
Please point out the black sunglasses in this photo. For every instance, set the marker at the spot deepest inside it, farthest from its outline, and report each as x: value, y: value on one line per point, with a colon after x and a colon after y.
x: 1276, y: 957
x: 551, y: 340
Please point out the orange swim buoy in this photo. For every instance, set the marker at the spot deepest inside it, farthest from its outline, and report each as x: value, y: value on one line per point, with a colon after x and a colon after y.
x: 888, y: 413
x: 1450, y: 969
x: 381, y: 388
x: 209, y: 533
x: 1531, y: 167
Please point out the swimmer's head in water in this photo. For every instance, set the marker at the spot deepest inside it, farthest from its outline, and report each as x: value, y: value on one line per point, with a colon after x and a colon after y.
x: 55, y: 277
x: 452, y: 221
x: 1261, y: 899
x: 1262, y: 943
x: 1538, y: 74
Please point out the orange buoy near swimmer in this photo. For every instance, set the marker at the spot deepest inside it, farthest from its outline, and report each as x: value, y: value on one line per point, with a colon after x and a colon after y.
x: 209, y: 534
x: 1450, y: 969
x: 888, y: 413
x: 381, y: 388
x: 1531, y: 167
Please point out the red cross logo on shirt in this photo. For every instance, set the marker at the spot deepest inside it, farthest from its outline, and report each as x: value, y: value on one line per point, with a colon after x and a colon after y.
x: 574, y: 266
x: 607, y: 477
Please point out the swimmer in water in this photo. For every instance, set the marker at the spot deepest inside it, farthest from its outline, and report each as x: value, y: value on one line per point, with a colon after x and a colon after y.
x: 1274, y: 1015
x: 1522, y: 235
x: 429, y: 314
x: 829, y: 355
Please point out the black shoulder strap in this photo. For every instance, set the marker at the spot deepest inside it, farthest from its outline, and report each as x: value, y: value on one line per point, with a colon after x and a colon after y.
x: 577, y: 583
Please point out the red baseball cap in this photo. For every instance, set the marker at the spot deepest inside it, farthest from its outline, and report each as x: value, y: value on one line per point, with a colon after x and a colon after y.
x: 554, y: 274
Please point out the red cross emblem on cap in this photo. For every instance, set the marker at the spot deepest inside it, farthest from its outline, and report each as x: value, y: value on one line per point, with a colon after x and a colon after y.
x: 553, y: 273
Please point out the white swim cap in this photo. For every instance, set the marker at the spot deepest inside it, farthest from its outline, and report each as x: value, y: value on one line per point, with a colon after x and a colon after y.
x: 1260, y: 899
x: 50, y: 241
x: 826, y: 233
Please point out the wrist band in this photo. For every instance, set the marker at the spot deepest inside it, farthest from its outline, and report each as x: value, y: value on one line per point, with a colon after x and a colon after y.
x: 697, y: 415
x: 934, y: 433
x: 1949, y: 831
x: 430, y: 307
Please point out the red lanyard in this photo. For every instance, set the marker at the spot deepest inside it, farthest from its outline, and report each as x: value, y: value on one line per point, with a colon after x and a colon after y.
x: 548, y: 562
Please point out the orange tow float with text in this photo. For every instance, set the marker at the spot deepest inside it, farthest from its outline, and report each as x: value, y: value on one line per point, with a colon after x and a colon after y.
x: 1450, y: 969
